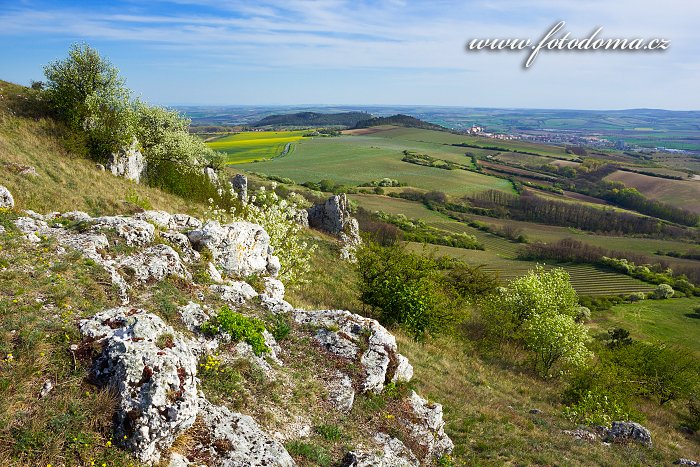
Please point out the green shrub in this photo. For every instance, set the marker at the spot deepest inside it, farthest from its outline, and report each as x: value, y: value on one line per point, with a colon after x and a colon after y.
x: 329, y: 432
x: 555, y: 338
x: 239, y: 327
x: 596, y: 408
x: 662, y: 292
x: 403, y: 288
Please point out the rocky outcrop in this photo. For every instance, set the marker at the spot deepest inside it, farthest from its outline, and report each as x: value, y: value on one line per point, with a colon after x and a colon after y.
x: 128, y: 162
x: 211, y: 175
x: 240, y: 185
x: 239, y: 249
x: 235, y: 292
x: 6, y: 199
x: 152, y: 370
x: 334, y: 217
x: 135, y: 232
x: 153, y: 264
x: 343, y: 334
x: 629, y: 432
x: 427, y: 427
x: 235, y: 440
x: 390, y: 452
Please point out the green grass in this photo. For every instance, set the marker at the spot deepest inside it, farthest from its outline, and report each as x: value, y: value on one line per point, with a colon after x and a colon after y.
x: 669, y: 321
x: 251, y: 146
x: 353, y: 160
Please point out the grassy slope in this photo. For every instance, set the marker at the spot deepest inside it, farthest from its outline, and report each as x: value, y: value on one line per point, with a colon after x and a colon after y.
x: 680, y: 193
x: 487, y: 399
x: 65, y: 182
x: 353, y: 160
x: 669, y: 321
x: 499, y: 256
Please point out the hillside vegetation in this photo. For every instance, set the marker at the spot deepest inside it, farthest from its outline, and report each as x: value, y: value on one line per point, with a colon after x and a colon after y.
x: 314, y: 119
x: 527, y: 369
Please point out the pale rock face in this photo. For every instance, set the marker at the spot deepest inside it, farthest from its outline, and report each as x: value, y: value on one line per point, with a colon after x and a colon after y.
x: 342, y: 332
x: 391, y: 452
x: 428, y: 428
x: 184, y: 222
x: 128, y: 162
x: 273, y: 288
x: 156, y: 386
x: 214, y: 273
x: 160, y: 218
x: 76, y: 216
x: 181, y: 241
x: 239, y: 248
x: 211, y: 175
x: 334, y: 217
x: 235, y: 293
x: 249, y: 445
x: 134, y: 231
x: 154, y: 264
x: 6, y: 199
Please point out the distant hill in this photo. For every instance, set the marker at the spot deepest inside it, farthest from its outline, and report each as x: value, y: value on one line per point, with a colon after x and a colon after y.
x: 347, y: 119
x: 399, y: 120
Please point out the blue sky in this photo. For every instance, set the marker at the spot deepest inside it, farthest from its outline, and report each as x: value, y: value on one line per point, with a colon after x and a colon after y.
x: 223, y: 52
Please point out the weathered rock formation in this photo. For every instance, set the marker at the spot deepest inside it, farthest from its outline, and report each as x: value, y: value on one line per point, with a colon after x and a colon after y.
x: 6, y: 199
x: 626, y: 432
x: 334, y: 217
x: 240, y: 185
x: 239, y: 248
x: 152, y: 369
x: 128, y: 162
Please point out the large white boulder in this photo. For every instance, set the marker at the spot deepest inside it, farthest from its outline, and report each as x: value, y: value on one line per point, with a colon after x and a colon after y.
x: 6, y: 199
x: 152, y: 370
x: 239, y: 249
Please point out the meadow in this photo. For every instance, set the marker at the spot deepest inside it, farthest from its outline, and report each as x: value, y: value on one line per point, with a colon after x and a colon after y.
x: 252, y: 146
x: 670, y: 321
x: 354, y: 160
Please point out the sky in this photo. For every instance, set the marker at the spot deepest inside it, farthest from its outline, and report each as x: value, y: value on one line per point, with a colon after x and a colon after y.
x: 357, y: 52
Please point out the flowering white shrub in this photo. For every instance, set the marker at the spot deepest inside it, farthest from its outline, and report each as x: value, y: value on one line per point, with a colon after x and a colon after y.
x: 278, y: 217
x: 554, y: 337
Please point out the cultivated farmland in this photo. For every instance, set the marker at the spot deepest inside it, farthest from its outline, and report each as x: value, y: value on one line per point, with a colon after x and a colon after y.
x: 682, y: 193
x: 252, y: 146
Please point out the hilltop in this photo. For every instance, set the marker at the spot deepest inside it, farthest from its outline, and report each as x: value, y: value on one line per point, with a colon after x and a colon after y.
x: 313, y: 119
x: 399, y: 120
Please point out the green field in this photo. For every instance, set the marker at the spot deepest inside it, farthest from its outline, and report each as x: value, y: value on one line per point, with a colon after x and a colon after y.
x: 251, y: 146
x: 499, y: 254
x: 354, y: 160
x: 656, y: 320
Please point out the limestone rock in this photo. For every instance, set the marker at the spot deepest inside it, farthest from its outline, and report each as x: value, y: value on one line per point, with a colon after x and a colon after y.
x: 275, y: 306
x: 128, y: 162
x: 240, y: 185
x: 235, y: 440
x: 76, y: 216
x: 331, y: 216
x: 235, y: 293
x: 28, y: 171
x: 239, y: 248
x: 181, y: 241
x: 428, y: 428
x: 159, y: 218
x: 581, y: 434
x: 214, y: 273
x: 334, y: 217
x: 391, y: 452
x: 154, y: 264
x: 6, y: 199
x: 625, y: 432
x: 134, y: 231
x: 211, y: 175
x: 153, y: 371
x: 341, y: 332
x: 273, y: 288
